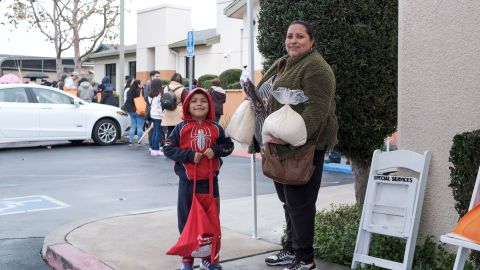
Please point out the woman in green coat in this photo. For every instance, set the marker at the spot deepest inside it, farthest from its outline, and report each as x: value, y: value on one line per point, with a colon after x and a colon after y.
x: 305, y: 69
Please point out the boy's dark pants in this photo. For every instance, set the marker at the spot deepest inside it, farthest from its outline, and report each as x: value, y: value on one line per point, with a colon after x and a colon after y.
x: 185, y: 192
x: 299, y: 205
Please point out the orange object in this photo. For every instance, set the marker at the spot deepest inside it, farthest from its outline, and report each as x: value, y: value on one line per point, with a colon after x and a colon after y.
x: 140, y: 104
x: 99, y: 97
x: 469, y: 225
x: 71, y: 91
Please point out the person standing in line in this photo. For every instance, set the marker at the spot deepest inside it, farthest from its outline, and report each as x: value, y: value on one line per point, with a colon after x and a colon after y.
x: 192, y: 154
x: 107, y: 92
x: 154, y: 74
x: 85, y: 90
x: 128, y: 84
x: 172, y: 118
x: 302, y: 68
x: 61, y: 82
x: 156, y: 114
x: 136, y: 121
x: 219, y: 97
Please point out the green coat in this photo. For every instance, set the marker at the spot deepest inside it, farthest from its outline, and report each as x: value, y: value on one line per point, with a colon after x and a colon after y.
x: 312, y: 74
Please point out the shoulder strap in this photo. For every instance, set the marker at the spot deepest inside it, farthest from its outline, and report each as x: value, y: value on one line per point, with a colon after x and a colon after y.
x: 176, y: 88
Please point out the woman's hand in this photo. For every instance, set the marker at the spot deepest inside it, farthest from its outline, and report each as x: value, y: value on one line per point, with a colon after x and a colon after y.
x: 209, y: 153
x: 197, y: 157
x: 277, y: 141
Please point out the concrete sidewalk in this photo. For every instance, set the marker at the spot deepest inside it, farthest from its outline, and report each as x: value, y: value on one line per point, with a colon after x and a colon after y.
x: 139, y: 240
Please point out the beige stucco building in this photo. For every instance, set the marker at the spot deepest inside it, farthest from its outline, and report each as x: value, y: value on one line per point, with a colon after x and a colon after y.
x: 161, y: 44
x: 438, y: 92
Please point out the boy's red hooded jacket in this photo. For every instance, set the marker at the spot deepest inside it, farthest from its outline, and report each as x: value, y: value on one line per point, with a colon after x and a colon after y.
x: 191, y: 136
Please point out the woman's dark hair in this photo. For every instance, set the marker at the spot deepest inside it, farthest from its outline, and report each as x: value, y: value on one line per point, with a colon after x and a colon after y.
x: 155, y: 88
x: 129, y: 82
x: 136, y: 88
x: 309, y: 27
x: 177, y: 77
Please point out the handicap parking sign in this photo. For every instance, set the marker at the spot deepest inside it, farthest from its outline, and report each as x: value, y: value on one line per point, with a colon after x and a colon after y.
x: 190, y: 44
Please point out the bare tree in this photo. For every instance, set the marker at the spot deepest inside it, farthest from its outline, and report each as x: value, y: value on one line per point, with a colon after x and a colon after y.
x: 81, y: 24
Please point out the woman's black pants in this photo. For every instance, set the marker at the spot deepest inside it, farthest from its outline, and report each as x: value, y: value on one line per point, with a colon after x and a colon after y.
x: 299, y: 205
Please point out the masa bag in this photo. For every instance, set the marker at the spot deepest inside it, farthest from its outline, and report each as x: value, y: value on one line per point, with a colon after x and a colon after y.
x: 469, y: 225
x: 140, y: 104
x: 285, y: 123
x: 241, y: 127
x: 201, y: 235
x: 169, y: 99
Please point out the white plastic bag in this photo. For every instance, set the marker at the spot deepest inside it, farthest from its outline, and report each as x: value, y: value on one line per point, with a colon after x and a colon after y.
x: 285, y: 123
x: 241, y: 127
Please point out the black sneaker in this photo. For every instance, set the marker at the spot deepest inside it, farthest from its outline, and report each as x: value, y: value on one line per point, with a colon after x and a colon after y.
x: 301, y: 265
x: 284, y: 257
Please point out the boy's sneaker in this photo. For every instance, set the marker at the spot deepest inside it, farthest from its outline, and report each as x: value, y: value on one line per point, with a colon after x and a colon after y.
x: 301, y: 265
x: 206, y: 265
x: 187, y: 264
x: 284, y: 257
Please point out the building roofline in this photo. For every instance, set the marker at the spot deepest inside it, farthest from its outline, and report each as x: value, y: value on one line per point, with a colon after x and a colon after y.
x: 232, y: 9
x: 205, y: 41
x: 130, y: 49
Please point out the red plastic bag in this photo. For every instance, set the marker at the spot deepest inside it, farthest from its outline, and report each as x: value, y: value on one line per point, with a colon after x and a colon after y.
x: 201, y: 236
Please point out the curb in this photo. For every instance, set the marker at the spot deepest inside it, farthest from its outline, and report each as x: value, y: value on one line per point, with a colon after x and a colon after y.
x: 337, y: 167
x: 67, y: 257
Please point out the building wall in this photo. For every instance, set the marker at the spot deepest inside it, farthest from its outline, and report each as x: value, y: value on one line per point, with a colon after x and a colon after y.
x: 99, y: 68
x: 438, y: 79
x: 156, y: 28
x: 257, y: 57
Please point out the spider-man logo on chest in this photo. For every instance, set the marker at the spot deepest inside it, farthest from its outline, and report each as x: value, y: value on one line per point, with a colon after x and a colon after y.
x: 200, y: 139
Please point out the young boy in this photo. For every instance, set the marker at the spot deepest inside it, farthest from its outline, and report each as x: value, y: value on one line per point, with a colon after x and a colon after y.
x: 193, y: 143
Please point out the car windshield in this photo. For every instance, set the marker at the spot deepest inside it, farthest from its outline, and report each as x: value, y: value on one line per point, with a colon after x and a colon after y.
x: 50, y: 96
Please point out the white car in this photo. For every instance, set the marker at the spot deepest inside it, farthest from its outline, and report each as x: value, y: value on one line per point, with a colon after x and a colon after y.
x: 30, y: 112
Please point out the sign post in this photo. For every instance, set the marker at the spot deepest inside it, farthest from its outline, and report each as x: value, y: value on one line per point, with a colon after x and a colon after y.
x: 190, y: 55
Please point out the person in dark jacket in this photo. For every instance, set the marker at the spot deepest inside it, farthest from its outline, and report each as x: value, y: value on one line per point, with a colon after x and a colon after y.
x: 219, y: 97
x: 136, y: 121
x: 107, y: 92
x: 193, y: 144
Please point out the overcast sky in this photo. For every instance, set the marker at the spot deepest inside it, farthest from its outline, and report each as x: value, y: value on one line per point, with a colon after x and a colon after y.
x: 21, y: 42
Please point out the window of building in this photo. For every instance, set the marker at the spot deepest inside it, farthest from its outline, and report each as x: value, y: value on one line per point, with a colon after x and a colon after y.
x: 132, y: 69
x: 111, y: 71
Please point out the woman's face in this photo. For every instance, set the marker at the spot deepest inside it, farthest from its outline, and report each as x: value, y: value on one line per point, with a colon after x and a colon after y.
x: 297, y: 41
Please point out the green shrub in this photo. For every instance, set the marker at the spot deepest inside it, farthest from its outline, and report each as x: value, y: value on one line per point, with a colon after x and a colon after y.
x: 165, y: 82
x: 204, y: 79
x: 235, y: 85
x: 229, y: 77
x: 465, y: 159
x: 359, y: 40
x: 207, y: 84
x: 336, y: 234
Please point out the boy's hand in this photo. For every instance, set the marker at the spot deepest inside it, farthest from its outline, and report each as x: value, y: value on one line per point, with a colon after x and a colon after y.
x: 197, y: 157
x: 209, y: 153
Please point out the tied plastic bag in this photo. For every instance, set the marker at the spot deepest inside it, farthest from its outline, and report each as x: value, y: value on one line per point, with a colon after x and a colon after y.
x: 285, y: 123
x: 241, y: 127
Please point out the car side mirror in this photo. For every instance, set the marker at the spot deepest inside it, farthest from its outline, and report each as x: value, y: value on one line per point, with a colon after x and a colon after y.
x: 76, y: 103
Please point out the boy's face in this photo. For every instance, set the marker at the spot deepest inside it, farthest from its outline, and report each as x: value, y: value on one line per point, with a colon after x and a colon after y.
x: 198, y: 106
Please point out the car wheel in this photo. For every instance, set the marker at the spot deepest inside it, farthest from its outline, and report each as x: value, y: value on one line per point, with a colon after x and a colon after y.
x: 76, y: 142
x: 105, y: 132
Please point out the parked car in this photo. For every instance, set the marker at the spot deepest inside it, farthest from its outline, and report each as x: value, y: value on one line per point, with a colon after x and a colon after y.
x: 30, y: 112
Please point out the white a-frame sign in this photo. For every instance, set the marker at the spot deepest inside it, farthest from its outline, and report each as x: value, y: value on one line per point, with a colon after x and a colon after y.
x: 393, y: 205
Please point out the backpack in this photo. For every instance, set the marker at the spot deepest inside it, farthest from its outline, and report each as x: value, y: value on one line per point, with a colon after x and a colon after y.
x: 169, y: 99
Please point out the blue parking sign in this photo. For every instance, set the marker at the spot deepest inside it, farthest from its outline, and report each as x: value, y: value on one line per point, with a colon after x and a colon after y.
x: 190, y: 44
